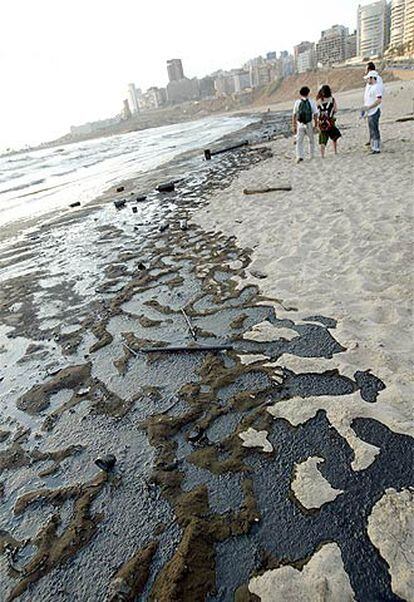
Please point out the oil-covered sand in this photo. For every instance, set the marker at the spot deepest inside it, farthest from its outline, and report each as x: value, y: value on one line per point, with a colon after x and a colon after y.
x: 194, y: 509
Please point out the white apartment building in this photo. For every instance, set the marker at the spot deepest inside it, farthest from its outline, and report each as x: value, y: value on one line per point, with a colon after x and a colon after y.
x: 259, y: 75
x: 133, y: 98
x: 397, y: 24
x: 373, y: 29
x: 306, y: 61
x: 241, y: 81
x: 408, y: 37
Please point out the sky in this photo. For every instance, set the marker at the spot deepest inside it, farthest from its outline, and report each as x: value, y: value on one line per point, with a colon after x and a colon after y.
x: 65, y: 62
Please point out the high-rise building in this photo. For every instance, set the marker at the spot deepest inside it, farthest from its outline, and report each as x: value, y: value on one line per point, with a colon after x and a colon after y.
x: 241, y: 81
x: 133, y: 98
x: 154, y: 98
x: 373, y: 29
x: 351, y: 45
x: 126, y: 111
x: 397, y: 25
x: 271, y: 56
x: 287, y: 63
x: 183, y: 90
x: 224, y: 84
x: 207, y: 89
x: 175, y: 70
x: 299, y: 49
x: 259, y: 76
x: 331, y: 48
x: 408, y: 37
x: 306, y: 60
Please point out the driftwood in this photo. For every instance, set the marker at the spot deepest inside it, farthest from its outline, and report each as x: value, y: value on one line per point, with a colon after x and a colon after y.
x: 210, y: 153
x: 190, y: 326
x: 403, y: 119
x: 185, y: 349
x: 268, y: 189
x: 168, y: 187
x: 130, y: 349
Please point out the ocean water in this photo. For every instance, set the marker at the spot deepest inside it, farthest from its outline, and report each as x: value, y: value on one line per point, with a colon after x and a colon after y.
x: 37, y: 182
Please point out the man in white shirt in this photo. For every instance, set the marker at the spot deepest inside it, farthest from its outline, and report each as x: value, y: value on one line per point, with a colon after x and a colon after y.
x: 371, y: 67
x: 305, y: 112
x: 372, y: 101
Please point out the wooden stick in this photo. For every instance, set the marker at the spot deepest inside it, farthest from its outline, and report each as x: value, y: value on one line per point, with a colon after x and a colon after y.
x: 190, y: 326
x: 262, y: 190
x: 131, y: 350
x: 230, y: 148
x: 191, y: 349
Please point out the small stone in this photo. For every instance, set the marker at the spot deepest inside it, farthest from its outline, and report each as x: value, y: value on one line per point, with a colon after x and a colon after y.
x: 168, y: 466
x: 258, y: 274
x: 106, y: 463
x: 196, y: 434
x: 120, y: 204
x: 83, y: 391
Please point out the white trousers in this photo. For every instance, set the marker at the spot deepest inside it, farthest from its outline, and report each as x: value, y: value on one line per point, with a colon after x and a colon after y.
x: 305, y: 129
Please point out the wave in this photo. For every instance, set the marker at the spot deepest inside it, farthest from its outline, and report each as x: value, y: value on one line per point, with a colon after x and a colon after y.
x: 20, y: 159
x: 22, y: 186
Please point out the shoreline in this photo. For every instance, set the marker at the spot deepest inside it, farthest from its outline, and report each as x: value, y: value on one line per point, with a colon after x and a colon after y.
x: 145, y: 183
x: 256, y: 104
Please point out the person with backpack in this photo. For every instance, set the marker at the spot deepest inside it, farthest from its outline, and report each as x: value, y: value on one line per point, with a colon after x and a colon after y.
x: 304, y: 120
x: 327, y: 108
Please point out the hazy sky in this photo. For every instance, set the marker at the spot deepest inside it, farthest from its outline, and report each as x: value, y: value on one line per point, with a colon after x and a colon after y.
x: 64, y: 62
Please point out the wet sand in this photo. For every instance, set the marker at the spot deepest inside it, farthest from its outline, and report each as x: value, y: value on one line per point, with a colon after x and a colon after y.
x: 189, y: 512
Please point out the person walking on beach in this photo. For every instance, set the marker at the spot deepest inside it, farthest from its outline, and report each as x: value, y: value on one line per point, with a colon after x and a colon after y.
x: 304, y: 120
x: 371, y: 110
x: 327, y: 108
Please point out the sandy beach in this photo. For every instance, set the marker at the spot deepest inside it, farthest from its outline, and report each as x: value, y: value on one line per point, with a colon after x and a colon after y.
x: 276, y: 466
x: 340, y: 245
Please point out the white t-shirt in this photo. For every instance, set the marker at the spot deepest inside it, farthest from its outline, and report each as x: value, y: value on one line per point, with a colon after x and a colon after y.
x: 380, y: 83
x: 312, y: 104
x: 372, y: 92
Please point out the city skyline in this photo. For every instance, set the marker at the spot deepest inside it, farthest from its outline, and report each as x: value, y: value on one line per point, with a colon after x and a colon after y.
x: 74, y: 65
x: 383, y: 29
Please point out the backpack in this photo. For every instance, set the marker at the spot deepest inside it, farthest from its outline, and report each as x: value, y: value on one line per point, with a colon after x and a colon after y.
x: 305, y: 111
x: 325, y: 116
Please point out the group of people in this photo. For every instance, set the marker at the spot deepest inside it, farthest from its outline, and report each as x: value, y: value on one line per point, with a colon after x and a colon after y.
x: 310, y: 117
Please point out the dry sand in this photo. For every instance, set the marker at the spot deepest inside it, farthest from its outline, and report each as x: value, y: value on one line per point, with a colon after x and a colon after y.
x: 339, y: 245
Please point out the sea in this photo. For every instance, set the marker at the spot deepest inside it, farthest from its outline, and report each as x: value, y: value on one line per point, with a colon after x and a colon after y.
x: 36, y: 182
